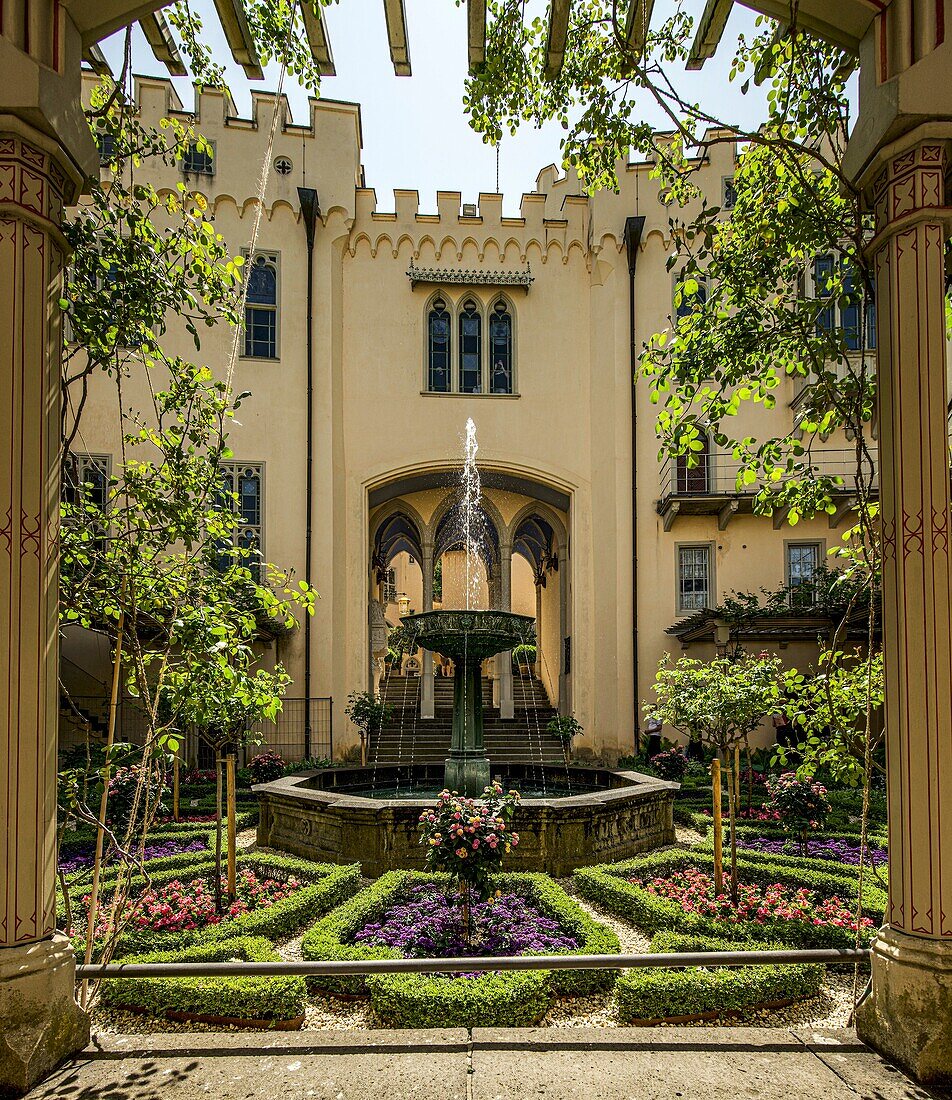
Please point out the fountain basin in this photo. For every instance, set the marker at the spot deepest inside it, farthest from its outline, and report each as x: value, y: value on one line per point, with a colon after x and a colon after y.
x: 330, y: 816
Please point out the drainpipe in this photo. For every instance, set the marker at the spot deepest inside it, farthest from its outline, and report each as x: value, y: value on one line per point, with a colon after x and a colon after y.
x: 634, y: 227
x: 310, y: 211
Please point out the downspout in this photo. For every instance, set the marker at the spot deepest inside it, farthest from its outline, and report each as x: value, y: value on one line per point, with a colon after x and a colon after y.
x: 310, y: 211
x: 633, y: 230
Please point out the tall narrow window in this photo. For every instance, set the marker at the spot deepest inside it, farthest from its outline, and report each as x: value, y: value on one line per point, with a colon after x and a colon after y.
x: 694, y: 577
x: 86, y: 490
x: 438, y: 348
x: 500, y: 349
x: 803, y: 561
x: 244, y: 480
x: 470, y: 348
x: 695, y: 479
x: 389, y: 586
x: 850, y: 313
x: 261, y: 308
x: 822, y: 273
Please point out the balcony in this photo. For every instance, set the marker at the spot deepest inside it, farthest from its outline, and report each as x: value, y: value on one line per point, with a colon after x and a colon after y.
x: 711, y: 488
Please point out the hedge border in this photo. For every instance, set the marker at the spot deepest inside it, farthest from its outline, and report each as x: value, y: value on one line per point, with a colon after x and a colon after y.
x: 607, y: 885
x: 813, y: 862
x: 330, y: 884
x: 504, y: 999
x: 279, y: 999
x: 665, y: 994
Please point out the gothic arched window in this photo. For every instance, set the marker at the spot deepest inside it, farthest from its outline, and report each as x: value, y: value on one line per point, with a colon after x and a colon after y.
x: 261, y: 308
x: 500, y: 349
x: 438, y: 348
x: 470, y: 348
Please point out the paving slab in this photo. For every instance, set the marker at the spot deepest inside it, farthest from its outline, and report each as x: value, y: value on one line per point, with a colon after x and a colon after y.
x: 317, y: 1065
x: 670, y: 1062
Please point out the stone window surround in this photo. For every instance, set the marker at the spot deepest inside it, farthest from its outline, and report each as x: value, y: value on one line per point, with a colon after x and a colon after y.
x: 454, y: 306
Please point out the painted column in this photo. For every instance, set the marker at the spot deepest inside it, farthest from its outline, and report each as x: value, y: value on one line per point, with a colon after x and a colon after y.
x: 40, y: 1022
x: 504, y: 660
x: 427, y: 687
x: 909, y: 1013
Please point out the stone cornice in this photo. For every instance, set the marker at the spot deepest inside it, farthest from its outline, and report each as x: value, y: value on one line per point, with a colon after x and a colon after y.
x: 468, y: 276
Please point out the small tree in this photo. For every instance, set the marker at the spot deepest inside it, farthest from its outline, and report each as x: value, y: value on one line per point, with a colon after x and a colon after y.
x: 565, y: 728
x: 368, y: 712
x: 801, y: 803
x: 718, y: 703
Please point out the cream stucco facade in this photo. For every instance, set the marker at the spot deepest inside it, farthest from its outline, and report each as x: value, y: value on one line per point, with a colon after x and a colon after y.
x: 386, y: 452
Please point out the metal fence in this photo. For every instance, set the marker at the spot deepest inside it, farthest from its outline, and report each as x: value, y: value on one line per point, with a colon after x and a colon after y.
x: 303, y: 730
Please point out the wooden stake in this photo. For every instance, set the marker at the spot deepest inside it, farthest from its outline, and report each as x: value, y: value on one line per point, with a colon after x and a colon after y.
x: 718, y: 827
x: 735, y: 780
x: 232, y: 888
x: 175, y: 788
x: 93, y: 915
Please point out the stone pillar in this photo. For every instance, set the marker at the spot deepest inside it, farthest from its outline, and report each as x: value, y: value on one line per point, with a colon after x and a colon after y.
x: 427, y: 687
x: 908, y: 1015
x: 40, y: 1022
x: 507, y: 707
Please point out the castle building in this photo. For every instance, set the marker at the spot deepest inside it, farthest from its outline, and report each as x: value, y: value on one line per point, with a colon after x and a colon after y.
x: 419, y: 320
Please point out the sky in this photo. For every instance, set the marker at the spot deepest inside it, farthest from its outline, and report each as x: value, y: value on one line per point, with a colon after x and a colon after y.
x: 416, y: 134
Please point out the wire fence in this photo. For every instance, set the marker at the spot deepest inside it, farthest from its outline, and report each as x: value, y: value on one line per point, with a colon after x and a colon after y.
x: 302, y: 730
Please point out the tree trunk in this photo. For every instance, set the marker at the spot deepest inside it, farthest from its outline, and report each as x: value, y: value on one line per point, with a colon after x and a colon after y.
x: 718, y: 826
x: 232, y: 838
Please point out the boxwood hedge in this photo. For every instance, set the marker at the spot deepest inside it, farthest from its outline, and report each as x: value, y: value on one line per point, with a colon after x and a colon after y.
x: 792, y: 857
x: 276, y: 999
x: 505, y: 999
x: 326, y: 885
x: 646, y: 995
x: 608, y: 885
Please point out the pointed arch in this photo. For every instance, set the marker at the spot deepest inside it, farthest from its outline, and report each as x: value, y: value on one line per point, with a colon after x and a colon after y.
x: 501, y: 344
x: 438, y: 350
x: 469, y: 336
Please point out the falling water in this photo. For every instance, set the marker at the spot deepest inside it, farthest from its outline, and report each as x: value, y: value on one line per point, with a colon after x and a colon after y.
x: 473, y: 523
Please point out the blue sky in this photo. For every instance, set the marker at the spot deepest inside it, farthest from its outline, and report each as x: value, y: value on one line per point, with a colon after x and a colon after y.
x: 415, y: 132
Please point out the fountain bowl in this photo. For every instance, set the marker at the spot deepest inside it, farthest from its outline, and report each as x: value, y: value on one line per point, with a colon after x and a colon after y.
x: 353, y: 815
x: 462, y: 635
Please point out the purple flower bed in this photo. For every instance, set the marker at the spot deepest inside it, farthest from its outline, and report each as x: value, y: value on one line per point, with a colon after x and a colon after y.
x: 428, y: 924
x: 82, y: 859
x: 840, y: 851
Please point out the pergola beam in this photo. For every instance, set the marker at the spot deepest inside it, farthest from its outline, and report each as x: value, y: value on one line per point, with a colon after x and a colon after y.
x: 636, y: 26
x: 476, y: 33
x: 317, y: 38
x: 96, y: 59
x: 396, y: 17
x: 710, y: 27
x: 559, y: 11
x: 159, y: 37
x: 239, y: 37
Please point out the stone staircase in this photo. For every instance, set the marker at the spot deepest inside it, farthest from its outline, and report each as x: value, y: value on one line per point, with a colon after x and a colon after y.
x: 406, y: 736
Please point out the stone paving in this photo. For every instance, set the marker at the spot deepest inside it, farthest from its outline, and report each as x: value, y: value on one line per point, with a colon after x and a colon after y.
x: 485, y: 1064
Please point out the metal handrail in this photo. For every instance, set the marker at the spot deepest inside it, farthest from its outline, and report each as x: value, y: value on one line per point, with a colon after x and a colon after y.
x: 348, y: 967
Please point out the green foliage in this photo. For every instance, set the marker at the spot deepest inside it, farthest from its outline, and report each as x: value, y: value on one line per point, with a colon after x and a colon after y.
x: 367, y: 711
x: 565, y: 728
x: 491, y: 1000
x: 276, y: 998
x: 523, y: 655
x: 654, y: 994
x: 607, y: 885
x: 801, y: 803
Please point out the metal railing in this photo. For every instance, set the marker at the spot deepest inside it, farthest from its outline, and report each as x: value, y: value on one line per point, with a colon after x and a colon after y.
x: 718, y: 475
x: 350, y: 967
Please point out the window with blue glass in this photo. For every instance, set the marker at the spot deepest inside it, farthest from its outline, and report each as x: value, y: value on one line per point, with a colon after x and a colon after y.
x: 261, y: 307
x: 438, y: 348
x: 854, y: 311
x: 822, y: 274
x: 242, y: 484
x: 500, y: 349
x: 470, y: 347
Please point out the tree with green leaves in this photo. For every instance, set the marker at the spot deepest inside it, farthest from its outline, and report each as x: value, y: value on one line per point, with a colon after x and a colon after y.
x: 719, y: 703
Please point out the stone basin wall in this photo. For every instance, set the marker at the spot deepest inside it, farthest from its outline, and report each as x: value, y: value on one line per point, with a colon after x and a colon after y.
x: 313, y: 815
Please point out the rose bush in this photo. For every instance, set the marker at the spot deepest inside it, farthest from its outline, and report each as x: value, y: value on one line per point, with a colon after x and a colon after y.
x: 670, y: 765
x: 800, y: 804
x: 266, y: 767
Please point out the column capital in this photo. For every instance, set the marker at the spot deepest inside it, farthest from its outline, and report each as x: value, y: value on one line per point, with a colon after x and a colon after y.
x: 905, y: 180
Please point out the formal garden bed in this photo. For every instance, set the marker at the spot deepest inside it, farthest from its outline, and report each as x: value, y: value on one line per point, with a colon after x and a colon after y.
x: 408, y: 914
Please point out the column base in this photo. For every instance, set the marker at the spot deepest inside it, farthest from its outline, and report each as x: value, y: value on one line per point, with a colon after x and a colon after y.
x: 40, y: 1022
x: 467, y: 774
x: 908, y: 1015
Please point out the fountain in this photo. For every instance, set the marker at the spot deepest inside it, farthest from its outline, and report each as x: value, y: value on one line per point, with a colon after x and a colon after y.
x: 370, y: 814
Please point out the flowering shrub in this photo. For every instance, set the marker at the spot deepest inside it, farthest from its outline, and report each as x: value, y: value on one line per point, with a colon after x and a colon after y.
x: 670, y: 765
x: 266, y: 767
x: 801, y: 804
x: 837, y: 850
x: 693, y: 891
x: 195, y: 777
x: 184, y: 907
x: 78, y: 861
x: 123, y: 783
x: 426, y: 924
x: 469, y: 837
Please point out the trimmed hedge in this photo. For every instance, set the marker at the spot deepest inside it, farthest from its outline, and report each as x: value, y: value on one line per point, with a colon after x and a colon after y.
x: 608, y: 885
x: 327, y: 885
x: 794, y: 859
x: 276, y: 999
x: 74, y: 840
x: 505, y: 999
x: 655, y: 994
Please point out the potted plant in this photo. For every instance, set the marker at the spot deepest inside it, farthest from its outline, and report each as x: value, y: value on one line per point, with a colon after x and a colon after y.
x: 368, y: 712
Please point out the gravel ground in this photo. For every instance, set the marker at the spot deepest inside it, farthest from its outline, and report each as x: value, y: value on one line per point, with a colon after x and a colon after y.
x: 831, y: 1009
